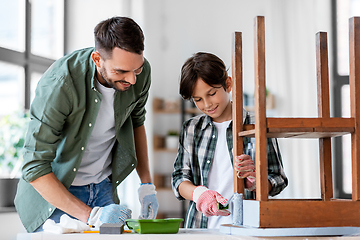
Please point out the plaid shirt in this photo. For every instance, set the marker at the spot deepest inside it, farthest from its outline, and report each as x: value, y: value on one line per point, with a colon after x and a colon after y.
x: 195, y: 154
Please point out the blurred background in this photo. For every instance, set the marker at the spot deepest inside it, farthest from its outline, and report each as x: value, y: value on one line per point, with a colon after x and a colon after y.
x: 34, y: 33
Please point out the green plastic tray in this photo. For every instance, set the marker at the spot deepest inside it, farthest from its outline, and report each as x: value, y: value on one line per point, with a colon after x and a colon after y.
x: 168, y: 225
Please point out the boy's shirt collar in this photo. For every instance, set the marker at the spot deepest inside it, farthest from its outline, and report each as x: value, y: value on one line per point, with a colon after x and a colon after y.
x: 208, y: 120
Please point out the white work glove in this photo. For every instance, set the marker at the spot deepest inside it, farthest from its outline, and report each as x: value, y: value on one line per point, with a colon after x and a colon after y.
x: 66, y: 225
x: 148, y: 201
x: 112, y: 213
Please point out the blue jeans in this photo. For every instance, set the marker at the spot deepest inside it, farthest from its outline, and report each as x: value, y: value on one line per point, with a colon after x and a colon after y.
x: 93, y: 195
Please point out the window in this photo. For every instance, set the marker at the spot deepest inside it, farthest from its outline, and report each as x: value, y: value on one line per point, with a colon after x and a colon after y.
x: 35, y: 77
x: 31, y: 39
x: 12, y: 27
x: 11, y: 87
x: 342, y: 11
x: 346, y: 142
x: 47, y: 28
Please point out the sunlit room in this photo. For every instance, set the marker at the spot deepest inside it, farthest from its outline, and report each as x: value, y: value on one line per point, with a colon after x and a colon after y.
x: 36, y: 35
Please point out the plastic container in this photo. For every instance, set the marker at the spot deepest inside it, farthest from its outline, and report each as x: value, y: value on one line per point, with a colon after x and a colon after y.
x: 155, y: 226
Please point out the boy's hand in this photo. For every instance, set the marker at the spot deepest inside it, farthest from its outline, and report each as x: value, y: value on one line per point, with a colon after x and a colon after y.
x: 207, y: 202
x: 246, y: 169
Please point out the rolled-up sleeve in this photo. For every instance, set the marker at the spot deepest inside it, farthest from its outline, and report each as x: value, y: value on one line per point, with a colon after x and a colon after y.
x: 182, y: 166
x: 276, y: 174
x: 139, y: 111
x: 48, y: 114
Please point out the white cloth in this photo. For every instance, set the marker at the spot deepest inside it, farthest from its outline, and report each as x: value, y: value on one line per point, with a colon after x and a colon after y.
x: 66, y: 225
x: 221, y: 174
x: 95, y: 164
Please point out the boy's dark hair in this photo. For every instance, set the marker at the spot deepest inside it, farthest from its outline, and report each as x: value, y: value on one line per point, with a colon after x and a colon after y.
x: 121, y: 32
x: 206, y: 66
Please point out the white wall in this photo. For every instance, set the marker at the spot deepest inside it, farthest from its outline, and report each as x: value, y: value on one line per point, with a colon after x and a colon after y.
x: 177, y: 29
x: 174, y: 30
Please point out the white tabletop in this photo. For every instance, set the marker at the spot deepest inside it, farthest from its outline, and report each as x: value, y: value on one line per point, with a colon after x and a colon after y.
x: 183, y: 234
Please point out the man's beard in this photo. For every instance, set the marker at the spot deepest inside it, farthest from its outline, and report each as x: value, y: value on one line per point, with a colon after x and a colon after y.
x: 104, y: 77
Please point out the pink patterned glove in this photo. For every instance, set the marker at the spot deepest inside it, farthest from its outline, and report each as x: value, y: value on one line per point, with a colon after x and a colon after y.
x: 207, y: 202
x: 246, y: 169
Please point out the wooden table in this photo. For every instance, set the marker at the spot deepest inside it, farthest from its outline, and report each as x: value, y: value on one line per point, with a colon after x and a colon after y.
x: 183, y: 234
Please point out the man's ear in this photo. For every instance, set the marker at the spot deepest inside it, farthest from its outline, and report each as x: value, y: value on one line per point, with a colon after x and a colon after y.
x: 229, y: 84
x: 96, y: 58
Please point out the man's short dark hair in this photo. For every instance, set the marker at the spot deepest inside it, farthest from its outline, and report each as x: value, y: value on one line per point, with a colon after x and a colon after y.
x: 121, y: 32
x: 207, y: 66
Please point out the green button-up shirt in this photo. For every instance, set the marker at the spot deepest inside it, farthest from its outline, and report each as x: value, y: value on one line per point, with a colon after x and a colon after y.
x: 63, y: 115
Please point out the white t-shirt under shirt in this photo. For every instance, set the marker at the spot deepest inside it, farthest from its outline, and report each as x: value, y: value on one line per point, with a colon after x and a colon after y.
x: 221, y: 173
x: 96, y: 162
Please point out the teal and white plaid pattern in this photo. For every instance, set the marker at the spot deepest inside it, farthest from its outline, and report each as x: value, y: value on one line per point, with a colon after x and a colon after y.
x: 195, y: 154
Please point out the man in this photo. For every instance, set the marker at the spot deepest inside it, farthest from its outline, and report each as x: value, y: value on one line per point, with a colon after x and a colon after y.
x: 87, y: 133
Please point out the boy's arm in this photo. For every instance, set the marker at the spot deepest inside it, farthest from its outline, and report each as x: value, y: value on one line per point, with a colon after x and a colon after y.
x: 245, y: 168
x: 277, y: 179
x: 182, y: 173
x: 276, y: 174
x: 207, y: 201
x: 186, y: 189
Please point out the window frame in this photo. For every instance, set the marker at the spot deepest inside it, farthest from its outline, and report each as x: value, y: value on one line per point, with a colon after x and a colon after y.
x: 30, y: 62
x: 338, y: 82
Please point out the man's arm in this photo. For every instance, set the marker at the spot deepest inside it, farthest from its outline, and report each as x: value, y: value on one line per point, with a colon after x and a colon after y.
x: 53, y: 191
x: 142, y: 167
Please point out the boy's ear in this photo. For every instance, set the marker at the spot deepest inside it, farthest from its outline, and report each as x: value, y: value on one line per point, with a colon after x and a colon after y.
x: 229, y: 84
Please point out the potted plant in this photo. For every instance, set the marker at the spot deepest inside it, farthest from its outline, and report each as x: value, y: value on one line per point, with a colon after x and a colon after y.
x: 12, y: 136
x: 172, y: 139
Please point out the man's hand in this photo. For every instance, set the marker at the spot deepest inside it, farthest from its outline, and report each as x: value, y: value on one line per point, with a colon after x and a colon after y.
x: 246, y: 169
x: 207, y: 202
x: 148, y: 201
x: 112, y: 213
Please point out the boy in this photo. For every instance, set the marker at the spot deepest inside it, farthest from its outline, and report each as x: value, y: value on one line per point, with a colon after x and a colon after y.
x: 203, y: 171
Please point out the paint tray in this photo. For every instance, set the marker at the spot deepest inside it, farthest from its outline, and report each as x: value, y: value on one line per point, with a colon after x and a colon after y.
x: 155, y: 226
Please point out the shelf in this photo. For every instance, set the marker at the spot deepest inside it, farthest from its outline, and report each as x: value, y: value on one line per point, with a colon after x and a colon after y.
x: 270, y: 103
x: 303, y: 127
x: 192, y: 111
x: 167, y: 111
x: 160, y: 144
x: 162, y: 181
x: 166, y: 106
